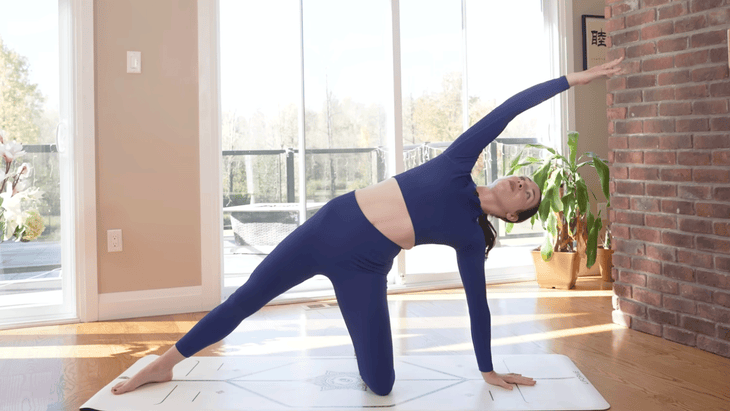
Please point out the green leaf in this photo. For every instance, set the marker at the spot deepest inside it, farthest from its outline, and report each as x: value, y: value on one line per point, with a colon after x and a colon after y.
x: 594, y: 228
x: 603, y: 175
x: 572, y: 146
x: 541, y: 176
x: 546, y: 251
x: 508, y: 227
x: 581, y: 194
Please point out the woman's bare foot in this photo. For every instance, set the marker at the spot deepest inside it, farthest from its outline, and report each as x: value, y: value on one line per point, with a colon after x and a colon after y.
x: 151, y: 373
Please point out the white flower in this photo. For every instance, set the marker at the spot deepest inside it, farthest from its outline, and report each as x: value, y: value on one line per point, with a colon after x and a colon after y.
x: 13, y: 150
x: 12, y: 213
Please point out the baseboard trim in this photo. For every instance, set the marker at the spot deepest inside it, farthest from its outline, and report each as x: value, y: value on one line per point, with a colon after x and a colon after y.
x: 147, y: 303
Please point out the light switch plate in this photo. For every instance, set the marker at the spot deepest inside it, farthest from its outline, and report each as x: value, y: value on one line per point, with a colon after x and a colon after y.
x: 134, y: 62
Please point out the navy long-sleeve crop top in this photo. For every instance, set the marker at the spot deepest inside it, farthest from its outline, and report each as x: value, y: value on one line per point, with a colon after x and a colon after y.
x: 443, y: 205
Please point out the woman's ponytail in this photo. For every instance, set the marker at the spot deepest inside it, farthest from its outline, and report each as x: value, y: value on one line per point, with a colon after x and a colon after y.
x: 490, y: 234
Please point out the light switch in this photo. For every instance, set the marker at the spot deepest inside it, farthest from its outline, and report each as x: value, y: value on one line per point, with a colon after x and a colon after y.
x: 134, y: 62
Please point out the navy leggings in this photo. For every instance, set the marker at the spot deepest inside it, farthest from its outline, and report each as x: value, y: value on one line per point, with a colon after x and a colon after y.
x: 340, y: 243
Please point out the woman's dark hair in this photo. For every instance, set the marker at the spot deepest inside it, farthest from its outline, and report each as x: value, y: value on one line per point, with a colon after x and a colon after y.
x: 490, y: 234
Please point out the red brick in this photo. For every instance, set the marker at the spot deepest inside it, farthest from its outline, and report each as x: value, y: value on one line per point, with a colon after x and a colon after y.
x: 625, y: 37
x: 625, y: 97
x: 718, y: 55
x: 694, y: 259
x: 678, y: 272
x: 675, y: 142
x: 692, y: 23
x: 628, y: 247
x: 722, y: 194
x: 633, y: 278
x: 618, y: 23
x: 702, y: 5
x: 710, y: 107
x: 679, y: 174
x: 654, y: 3
x: 711, y: 142
x: 689, y: 158
x: 722, y: 229
x: 653, y: 31
x: 641, y: 81
x: 694, y: 192
x: 714, y: 245
x: 720, y: 90
x: 629, y: 157
x: 713, y: 313
x: 721, y: 298
x: 662, y: 285
x: 643, y: 142
x: 632, y: 308
x: 629, y: 188
x: 618, y: 113
x: 616, y: 83
x: 675, y: 109
x: 660, y: 157
x: 723, y: 332
x: 607, y: 12
x: 691, y: 92
x: 659, y: 94
x: 646, y: 235
x: 720, y: 124
x: 646, y: 327
x: 615, y: 53
x: 698, y: 325
x: 693, y: 58
x: 713, y: 279
x: 714, y: 346
x: 672, y: 45
x: 645, y: 110
x: 619, y: 172
x: 643, y: 173
x: 674, y: 77
x: 713, y: 210
x: 662, y: 317
x: 719, y: 17
x: 641, y: 50
x: 647, y: 296
x: 659, y: 126
x: 675, y: 10
x: 680, y: 336
x: 661, y: 190
x: 709, y: 74
x: 695, y: 293
x: 695, y: 225
x: 710, y: 38
x: 711, y: 176
x: 692, y: 125
x: 621, y: 261
x: 638, y: 19
x: 622, y: 290
x: 630, y: 127
x: 621, y: 8
x: 679, y: 304
x: 721, y: 158
x: 661, y: 221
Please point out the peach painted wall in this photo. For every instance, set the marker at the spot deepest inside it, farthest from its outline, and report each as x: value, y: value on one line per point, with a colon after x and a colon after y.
x: 148, y: 173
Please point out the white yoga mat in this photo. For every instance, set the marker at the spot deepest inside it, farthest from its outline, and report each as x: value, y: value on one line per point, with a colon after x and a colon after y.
x: 444, y: 382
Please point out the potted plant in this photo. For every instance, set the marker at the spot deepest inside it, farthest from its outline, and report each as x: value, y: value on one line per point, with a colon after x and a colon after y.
x: 604, y: 257
x: 571, y: 229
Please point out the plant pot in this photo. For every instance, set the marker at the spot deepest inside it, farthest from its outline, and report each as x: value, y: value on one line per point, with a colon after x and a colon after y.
x: 604, y: 261
x: 584, y: 271
x: 561, y: 271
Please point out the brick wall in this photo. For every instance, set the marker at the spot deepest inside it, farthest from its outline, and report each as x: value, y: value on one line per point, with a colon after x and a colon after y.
x: 669, y: 149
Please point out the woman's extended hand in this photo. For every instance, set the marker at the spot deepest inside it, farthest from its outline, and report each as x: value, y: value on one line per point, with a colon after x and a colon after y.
x: 504, y: 380
x: 609, y: 69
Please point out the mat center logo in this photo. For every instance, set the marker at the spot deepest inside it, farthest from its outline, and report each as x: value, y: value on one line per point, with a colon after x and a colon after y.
x: 333, y: 380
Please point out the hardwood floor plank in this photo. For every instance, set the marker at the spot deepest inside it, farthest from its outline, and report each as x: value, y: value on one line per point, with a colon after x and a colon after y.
x: 60, y: 367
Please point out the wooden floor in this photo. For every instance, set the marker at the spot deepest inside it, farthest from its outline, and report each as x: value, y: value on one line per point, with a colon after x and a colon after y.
x: 60, y: 367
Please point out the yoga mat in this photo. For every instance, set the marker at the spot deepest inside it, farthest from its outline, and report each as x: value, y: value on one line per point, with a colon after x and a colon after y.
x: 443, y: 382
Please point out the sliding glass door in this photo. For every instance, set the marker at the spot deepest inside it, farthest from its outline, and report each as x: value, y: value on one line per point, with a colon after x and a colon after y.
x: 36, y: 111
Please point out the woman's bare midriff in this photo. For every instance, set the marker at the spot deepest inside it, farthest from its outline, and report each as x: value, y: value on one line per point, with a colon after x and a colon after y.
x: 385, y: 208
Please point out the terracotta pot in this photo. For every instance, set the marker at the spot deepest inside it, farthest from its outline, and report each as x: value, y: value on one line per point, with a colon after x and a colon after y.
x: 561, y: 271
x: 604, y: 261
x: 584, y: 271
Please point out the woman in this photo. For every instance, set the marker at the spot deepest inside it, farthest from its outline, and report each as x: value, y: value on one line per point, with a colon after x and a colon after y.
x: 353, y: 239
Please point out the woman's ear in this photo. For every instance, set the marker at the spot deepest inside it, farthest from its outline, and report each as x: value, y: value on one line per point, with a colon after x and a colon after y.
x: 512, y: 217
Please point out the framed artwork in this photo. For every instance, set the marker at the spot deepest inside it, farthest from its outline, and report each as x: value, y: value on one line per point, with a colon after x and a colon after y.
x: 594, y: 41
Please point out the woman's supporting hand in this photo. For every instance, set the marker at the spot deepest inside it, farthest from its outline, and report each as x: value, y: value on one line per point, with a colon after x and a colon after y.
x: 504, y: 380
x: 609, y: 69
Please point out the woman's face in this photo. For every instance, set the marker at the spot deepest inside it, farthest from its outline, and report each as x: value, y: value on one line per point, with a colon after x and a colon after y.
x: 515, y: 194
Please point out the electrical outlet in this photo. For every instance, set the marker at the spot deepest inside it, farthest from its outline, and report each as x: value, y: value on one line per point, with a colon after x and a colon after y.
x: 114, y: 240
